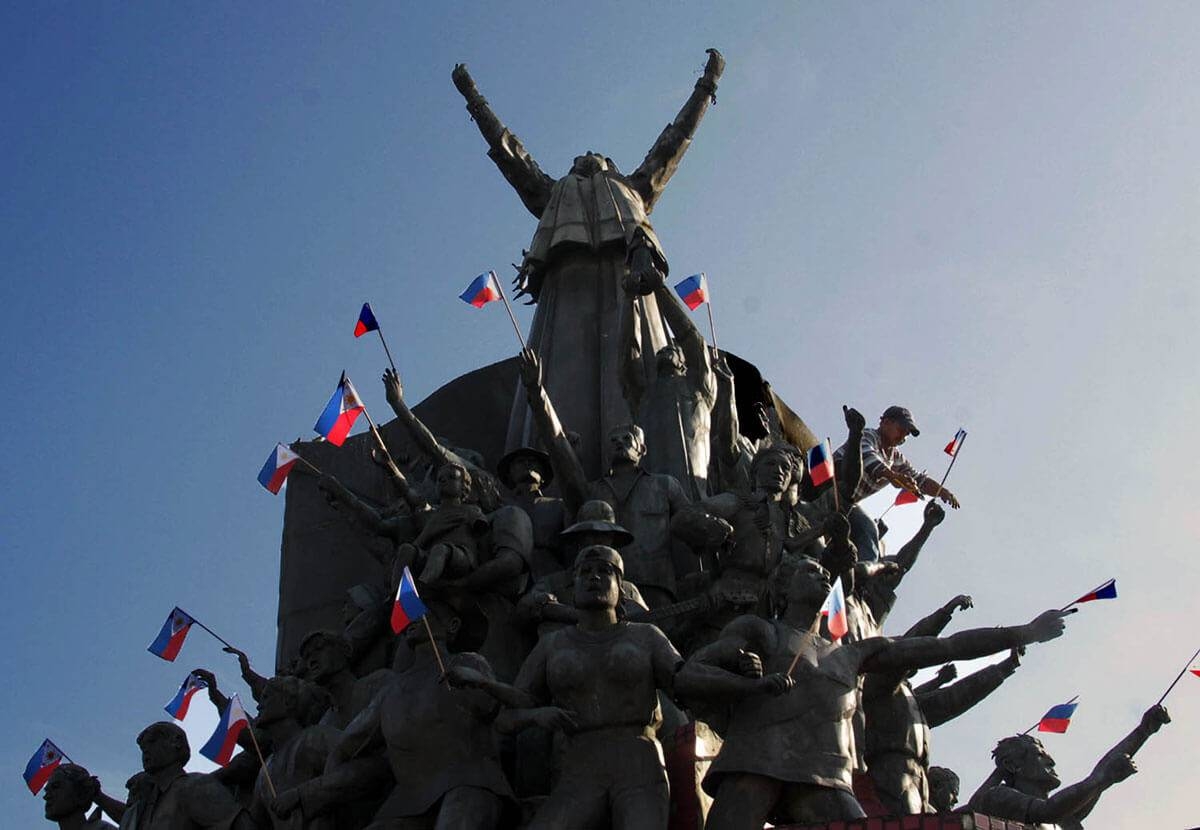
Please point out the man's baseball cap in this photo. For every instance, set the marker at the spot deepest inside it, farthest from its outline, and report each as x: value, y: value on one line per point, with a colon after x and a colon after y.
x: 901, y: 416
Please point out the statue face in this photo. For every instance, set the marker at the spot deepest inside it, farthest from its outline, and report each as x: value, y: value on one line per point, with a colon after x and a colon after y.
x: 597, y: 585
x: 589, y: 164
x: 943, y: 792
x: 772, y: 473
x: 810, y: 584
x: 323, y: 660
x: 450, y: 482
x: 1033, y: 764
x: 160, y: 749
x: 64, y: 797
x: 526, y: 471
x: 625, y: 445
x: 670, y: 363
x: 275, y: 704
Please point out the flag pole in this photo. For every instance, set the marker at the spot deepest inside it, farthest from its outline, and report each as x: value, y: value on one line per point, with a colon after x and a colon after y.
x: 1073, y: 603
x: 219, y: 638
x: 708, y: 307
x: 508, y: 308
x: 1039, y: 723
x: 1182, y: 672
x: 436, y: 651
x: 386, y: 350
x: 308, y: 463
x: 942, y: 483
x: 379, y: 440
x: 261, y: 759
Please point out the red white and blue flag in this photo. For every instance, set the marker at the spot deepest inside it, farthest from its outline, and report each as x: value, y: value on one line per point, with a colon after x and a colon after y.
x: 42, y: 765
x: 951, y: 449
x: 693, y: 290
x: 482, y: 290
x: 1106, y: 591
x: 408, y: 607
x: 219, y: 748
x: 1058, y: 718
x: 835, y: 610
x: 820, y: 463
x: 170, y: 639
x: 275, y: 472
x: 366, y: 321
x: 340, y: 413
x: 178, y: 707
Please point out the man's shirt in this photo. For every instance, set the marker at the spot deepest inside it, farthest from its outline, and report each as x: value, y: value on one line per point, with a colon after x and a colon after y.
x: 876, y: 460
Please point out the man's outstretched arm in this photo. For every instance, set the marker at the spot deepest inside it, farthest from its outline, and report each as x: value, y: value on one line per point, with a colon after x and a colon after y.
x: 504, y: 148
x: 660, y: 163
x: 948, y: 703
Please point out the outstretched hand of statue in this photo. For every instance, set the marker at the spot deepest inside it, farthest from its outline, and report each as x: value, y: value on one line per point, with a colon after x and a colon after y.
x: 464, y: 677
x: 1048, y: 625
x: 463, y: 81
x: 934, y: 514
x: 1155, y: 718
x: 243, y: 660
x: 393, y: 388
x: 855, y: 421
x: 960, y: 603
x: 749, y: 664
x: 947, y: 673
x: 208, y: 677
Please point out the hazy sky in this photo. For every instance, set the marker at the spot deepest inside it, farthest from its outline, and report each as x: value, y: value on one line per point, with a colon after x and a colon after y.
x: 989, y: 213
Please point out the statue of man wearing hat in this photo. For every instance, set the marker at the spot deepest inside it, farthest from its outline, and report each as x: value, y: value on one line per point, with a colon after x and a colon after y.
x: 597, y: 681
x: 884, y: 464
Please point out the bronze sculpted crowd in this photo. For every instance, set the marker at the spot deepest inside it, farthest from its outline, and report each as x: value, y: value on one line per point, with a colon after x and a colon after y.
x: 640, y: 561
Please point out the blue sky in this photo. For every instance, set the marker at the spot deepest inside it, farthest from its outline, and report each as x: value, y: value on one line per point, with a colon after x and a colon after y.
x: 987, y: 213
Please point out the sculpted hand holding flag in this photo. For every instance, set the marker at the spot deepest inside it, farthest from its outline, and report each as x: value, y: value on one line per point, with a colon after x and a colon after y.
x: 1106, y: 591
x: 178, y: 707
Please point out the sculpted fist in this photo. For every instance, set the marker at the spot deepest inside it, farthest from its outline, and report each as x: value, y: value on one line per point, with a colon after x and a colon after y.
x: 1117, y: 768
x: 947, y: 673
x: 1013, y: 660
x: 934, y: 514
x: 531, y: 369
x: 463, y: 81
x: 749, y: 664
x: 1155, y: 718
x: 960, y: 603
x: 286, y: 803
x: 464, y: 677
x: 776, y: 684
x: 1048, y: 625
x: 715, y: 65
x: 393, y: 388
x: 854, y: 419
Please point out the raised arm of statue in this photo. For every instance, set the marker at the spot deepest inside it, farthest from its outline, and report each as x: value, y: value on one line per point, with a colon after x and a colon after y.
x: 504, y: 148
x: 851, y: 468
x: 567, y: 467
x: 881, y: 654
x: 935, y: 623
x: 427, y: 444
x: 401, y: 528
x: 949, y: 702
x: 660, y: 163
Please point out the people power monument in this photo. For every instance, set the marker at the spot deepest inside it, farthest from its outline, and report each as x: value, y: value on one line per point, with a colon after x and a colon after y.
x: 569, y: 664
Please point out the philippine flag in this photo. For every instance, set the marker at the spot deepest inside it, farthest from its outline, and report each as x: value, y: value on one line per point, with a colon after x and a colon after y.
x: 275, y: 472
x: 170, y: 639
x: 835, y: 609
x: 340, y: 413
x: 1106, y: 591
x: 951, y: 449
x: 820, y: 463
x: 482, y: 290
x: 43, y: 763
x: 693, y: 291
x: 178, y: 707
x: 366, y: 321
x: 408, y: 607
x: 906, y: 497
x: 1058, y: 718
x: 219, y: 748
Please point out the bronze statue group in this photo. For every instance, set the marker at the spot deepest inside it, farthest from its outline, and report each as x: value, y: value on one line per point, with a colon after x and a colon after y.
x: 642, y: 559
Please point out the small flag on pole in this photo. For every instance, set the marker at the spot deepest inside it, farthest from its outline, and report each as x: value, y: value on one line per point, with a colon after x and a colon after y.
x: 951, y: 449
x: 693, y: 291
x: 835, y: 609
x: 366, y: 321
x: 1058, y: 718
x: 1195, y: 672
x: 340, y: 413
x: 178, y: 707
x: 482, y: 290
x: 275, y: 472
x: 219, y: 748
x: 1106, y: 591
x: 906, y: 497
x: 42, y: 765
x: 408, y: 607
x: 170, y: 639
x: 820, y: 463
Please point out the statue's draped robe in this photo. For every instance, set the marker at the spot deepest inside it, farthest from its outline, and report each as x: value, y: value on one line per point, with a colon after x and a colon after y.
x: 580, y: 245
